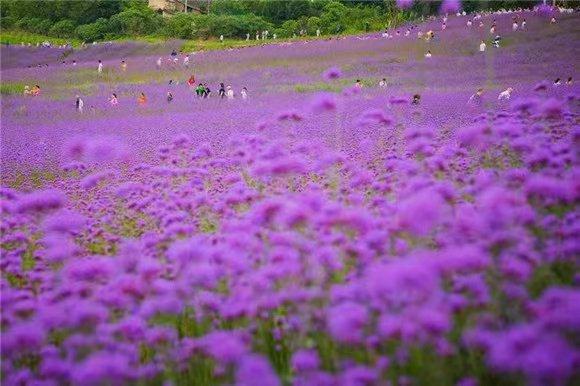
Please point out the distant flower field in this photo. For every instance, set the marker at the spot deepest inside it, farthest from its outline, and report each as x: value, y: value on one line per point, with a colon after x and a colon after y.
x: 316, y: 233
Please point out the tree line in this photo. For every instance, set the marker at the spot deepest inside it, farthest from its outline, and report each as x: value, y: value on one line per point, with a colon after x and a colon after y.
x: 110, y: 19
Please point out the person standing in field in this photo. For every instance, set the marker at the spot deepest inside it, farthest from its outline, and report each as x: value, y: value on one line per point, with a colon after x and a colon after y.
x: 222, y: 91
x: 230, y: 92
x: 169, y: 97
x: 244, y: 93
x: 142, y: 100
x: 221, y: 38
x: 114, y: 101
x: 506, y: 94
x: 27, y: 90
x: 482, y: 46
x: 79, y: 104
x: 206, y: 91
x: 191, y: 81
x: 123, y: 65
x: 100, y: 67
x: 383, y: 83
x: 318, y: 32
x: 158, y: 63
x: 199, y: 90
x: 247, y: 37
x: 186, y: 61
x: 524, y: 24
x: 476, y: 98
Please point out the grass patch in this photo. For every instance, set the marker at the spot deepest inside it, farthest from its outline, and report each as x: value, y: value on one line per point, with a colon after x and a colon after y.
x: 17, y: 37
x: 11, y: 88
x: 559, y: 273
x: 334, y: 86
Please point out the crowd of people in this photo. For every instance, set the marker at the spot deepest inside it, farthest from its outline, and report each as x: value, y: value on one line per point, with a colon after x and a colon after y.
x: 203, y: 91
x: 519, y: 23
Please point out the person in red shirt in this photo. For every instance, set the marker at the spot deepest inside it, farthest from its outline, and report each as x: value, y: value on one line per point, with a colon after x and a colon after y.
x: 191, y: 81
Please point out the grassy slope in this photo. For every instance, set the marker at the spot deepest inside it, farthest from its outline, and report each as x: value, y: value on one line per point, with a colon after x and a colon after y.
x: 17, y: 37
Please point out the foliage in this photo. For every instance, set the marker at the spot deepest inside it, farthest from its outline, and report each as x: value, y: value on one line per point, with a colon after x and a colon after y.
x: 62, y: 28
x: 94, y: 31
x: 135, y: 21
x: 100, y: 19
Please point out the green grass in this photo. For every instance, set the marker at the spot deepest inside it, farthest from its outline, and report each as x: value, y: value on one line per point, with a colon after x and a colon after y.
x: 17, y: 37
x: 11, y: 88
x: 334, y: 86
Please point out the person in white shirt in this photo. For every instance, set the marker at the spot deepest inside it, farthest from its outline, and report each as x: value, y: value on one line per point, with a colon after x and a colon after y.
x: 274, y: 36
x: 247, y: 37
x: 244, y: 93
x: 428, y: 54
x: 80, y: 104
x: 114, y: 101
x: 230, y: 93
x: 553, y: 20
x: 100, y: 67
x: 482, y: 46
x: 506, y: 94
x: 557, y: 82
x: 383, y: 83
x: 469, y: 23
x: 515, y: 26
x: 524, y: 24
x: 159, y: 63
x: 221, y: 38
x: 317, y: 32
x: 186, y: 61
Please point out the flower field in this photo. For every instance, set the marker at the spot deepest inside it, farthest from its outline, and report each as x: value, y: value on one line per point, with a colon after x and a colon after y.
x: 316, y: 233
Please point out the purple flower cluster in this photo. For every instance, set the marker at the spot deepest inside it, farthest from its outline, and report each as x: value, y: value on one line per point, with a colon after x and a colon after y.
x: 352, y: 239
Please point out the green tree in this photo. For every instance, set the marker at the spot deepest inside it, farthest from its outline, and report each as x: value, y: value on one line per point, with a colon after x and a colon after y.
x: 62, y: 29
x: 313, y: 24
x: 289, y: 28
x: 94, y: 31
x: 334, y: 17
x: 135, y: 21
